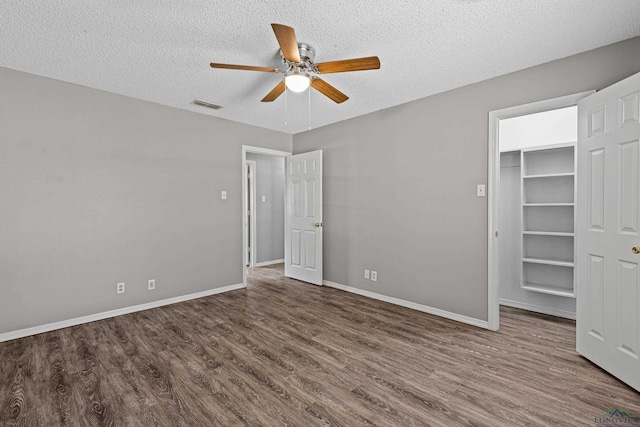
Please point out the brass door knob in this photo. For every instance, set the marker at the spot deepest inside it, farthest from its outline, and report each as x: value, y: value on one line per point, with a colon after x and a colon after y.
x: 319, y: 224
x: 635, y: 250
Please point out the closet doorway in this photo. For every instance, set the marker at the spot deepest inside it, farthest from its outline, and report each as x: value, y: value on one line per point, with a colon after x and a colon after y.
x: 532, y: 178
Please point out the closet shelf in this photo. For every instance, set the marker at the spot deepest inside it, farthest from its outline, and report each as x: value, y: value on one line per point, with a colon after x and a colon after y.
x: 560, y: 263
x: 547, y: 204
x: 549, y: 289
x: 548, y: 233
x: 548, y: 175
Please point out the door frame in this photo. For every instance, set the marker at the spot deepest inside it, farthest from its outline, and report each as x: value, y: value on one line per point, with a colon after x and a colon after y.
x: 251, y: 207
x: 256, y: 150
x: 493, y: 188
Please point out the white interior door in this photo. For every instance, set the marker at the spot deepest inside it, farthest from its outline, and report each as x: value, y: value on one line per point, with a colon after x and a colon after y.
x: 608, y: 308
x: 303, y: 218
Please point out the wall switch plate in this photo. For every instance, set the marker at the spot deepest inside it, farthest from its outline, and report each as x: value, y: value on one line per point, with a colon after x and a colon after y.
x: 223, y: 195
x: 264, y: 199
x: 366, y: 274
x: 120, y: 288
x: 152, y: 284
x: 374, y: 276
x: 481, y: 190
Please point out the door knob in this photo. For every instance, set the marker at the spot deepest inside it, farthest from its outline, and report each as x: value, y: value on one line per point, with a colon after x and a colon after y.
x: 635, y: 250
x: 319, y: 224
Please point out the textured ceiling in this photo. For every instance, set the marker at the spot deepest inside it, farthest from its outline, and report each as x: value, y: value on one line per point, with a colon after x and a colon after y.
x: 160, y: 50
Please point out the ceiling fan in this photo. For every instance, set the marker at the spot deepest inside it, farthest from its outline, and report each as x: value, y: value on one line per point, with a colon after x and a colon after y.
x: 299, y: 69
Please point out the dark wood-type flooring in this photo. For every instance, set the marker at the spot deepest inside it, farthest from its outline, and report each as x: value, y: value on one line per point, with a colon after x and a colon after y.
x: 282, y: 352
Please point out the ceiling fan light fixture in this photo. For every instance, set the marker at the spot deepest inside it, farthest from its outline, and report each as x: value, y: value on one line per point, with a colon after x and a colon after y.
x: 297, y: 82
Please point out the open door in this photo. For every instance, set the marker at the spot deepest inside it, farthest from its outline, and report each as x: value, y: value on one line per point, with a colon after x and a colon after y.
x: 608, y: 230
x: 303, y: 218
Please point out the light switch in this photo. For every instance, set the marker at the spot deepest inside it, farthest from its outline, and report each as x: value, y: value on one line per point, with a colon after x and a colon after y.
x: 223, y: 195
x: 480, y: 192
x: 264, y: 199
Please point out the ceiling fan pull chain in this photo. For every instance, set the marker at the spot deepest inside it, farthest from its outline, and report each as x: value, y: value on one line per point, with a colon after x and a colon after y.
x: 309, y: 122
x: 285, y: 107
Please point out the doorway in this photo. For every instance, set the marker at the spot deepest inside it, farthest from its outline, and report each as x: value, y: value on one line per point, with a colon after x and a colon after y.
x: 534, y: 266
x: 264, y: 202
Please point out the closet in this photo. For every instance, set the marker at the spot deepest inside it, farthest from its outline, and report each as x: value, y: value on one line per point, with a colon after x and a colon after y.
x: 537, y: 227
x: 548, y: 218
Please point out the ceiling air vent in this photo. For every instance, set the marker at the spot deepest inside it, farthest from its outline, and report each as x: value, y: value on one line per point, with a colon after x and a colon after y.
x: 207, y: 104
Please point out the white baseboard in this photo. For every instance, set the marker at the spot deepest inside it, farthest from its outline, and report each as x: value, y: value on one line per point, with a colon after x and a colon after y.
x: 538, y: 309
x: 21, y: 333
x: 275, y: 261
x: 415, y: 306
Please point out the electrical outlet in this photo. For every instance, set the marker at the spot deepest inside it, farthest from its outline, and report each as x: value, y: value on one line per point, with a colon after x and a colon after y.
x: 223, y: 195
x: 120, y: 288
x: 152, y: 284
x: 374, y: 276
x: 366, y: 274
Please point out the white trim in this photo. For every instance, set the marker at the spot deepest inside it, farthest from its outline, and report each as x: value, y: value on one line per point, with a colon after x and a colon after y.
x: 493, y: 188
x: 493, y: 202
x: 21, y: 333
x: 266, y: 151
x: 408, y: 304
x: 258, y: 150
x: 275, y: 261
x: 252, y: 207
x: 538, y: 309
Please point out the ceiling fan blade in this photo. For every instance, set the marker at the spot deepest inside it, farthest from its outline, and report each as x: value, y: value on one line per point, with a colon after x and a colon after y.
x: 243, y: 67
x: 359, y: 64
x: 275, y: 92
x: 328, y: 90
x: 288, y: 43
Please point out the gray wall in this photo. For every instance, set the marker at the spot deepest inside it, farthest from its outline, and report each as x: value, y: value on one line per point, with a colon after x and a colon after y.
x: 97, y: 188
x: 270, y: 213
x: 399, y: 184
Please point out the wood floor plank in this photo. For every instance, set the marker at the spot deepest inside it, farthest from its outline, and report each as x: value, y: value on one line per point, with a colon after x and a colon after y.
x: 14, y: 399
x: 283, y: 352
x: 327, y: 394
x: 56, y: 389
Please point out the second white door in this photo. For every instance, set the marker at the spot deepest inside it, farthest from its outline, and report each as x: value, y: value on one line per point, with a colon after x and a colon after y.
x: 303, y: 218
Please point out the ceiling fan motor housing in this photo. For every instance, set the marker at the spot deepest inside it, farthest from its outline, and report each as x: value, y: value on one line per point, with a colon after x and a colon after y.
x: 307, y: 52
x: 307, y: 56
